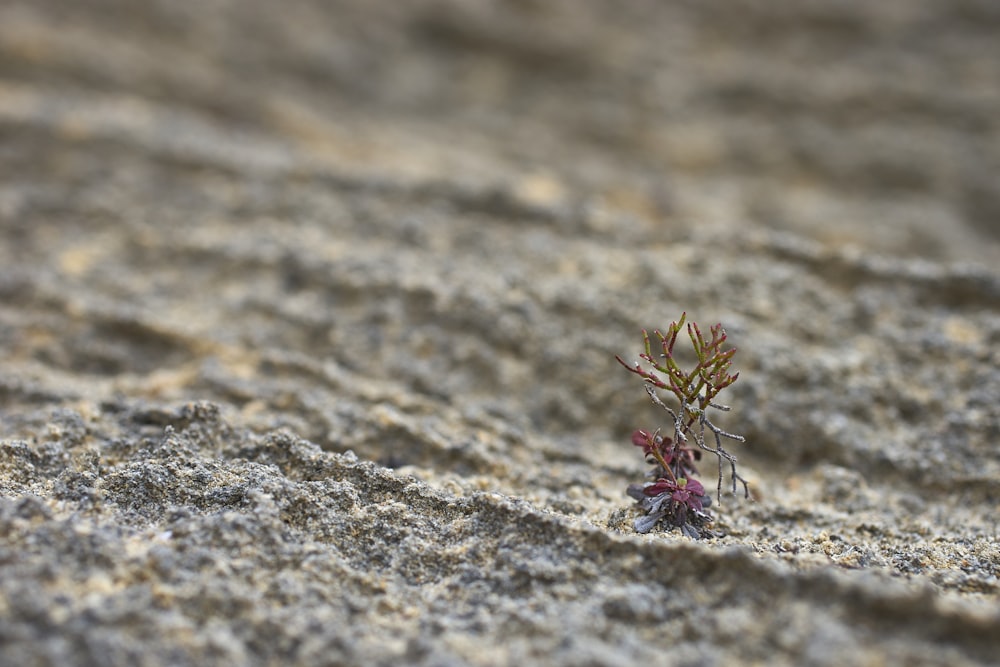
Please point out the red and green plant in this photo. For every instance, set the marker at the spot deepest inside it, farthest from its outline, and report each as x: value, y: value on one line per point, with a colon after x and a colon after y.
x: 675, y: 496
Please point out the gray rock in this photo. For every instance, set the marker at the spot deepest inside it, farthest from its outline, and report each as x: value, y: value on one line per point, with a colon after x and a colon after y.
x: 308, y: 315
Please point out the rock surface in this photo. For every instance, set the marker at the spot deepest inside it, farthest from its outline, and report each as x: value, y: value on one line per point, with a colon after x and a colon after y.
x: 308, y: 315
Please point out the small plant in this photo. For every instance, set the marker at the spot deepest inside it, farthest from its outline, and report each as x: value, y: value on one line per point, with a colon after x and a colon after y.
x: 675, y: 496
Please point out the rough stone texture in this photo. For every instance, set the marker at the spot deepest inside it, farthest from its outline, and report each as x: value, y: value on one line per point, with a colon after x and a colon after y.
x: 308, y: 315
